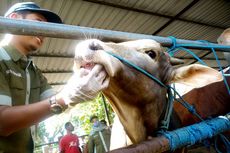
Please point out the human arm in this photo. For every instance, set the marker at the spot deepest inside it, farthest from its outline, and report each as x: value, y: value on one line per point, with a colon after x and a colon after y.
x: 14, y: 118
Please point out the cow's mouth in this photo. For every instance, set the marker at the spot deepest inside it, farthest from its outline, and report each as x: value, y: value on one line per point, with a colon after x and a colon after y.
x: 88, y: 66
x: 110, y: 64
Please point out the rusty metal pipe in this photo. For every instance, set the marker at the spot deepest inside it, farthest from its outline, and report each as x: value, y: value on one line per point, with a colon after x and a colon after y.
x: 26, y: 27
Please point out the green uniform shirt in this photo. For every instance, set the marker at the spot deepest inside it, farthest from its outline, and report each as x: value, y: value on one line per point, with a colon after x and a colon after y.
x: 21, y: 83
x: 96, y: 142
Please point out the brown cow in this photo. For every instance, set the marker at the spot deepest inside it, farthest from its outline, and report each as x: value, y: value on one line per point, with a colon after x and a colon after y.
x: 139, y: 101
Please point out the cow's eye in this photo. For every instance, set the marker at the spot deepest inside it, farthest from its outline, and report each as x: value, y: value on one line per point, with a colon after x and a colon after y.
x: 151, y: 53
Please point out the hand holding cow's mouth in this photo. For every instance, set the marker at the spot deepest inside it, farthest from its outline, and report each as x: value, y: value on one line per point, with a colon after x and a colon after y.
x: 96, y: 74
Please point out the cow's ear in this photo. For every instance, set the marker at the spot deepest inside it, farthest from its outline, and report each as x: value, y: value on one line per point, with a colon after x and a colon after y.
x: 196, y: 75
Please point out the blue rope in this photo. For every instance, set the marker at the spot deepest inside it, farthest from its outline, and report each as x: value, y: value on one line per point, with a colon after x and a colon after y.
x: 197, y: 132
x: 221, y: 70
x: 175, y: 47
x: 194, y: 55
x: 139, y: 69
x: 183, y: 102
x: 164, y: 124
x: 203, y: 47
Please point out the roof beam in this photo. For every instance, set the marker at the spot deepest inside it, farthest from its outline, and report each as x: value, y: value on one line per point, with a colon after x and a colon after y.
x: 176, y: 17
x: 195, y: 60
x: 152, y: 13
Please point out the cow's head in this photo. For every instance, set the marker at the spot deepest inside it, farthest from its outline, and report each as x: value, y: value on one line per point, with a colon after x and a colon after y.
x: 138, y: 101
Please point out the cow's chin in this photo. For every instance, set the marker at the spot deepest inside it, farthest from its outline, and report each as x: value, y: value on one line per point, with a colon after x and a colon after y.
x: 111, y: 65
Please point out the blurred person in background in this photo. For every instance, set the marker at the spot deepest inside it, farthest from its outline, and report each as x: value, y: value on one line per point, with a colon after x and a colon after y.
x: 70, y: 142
x: 99, y: 139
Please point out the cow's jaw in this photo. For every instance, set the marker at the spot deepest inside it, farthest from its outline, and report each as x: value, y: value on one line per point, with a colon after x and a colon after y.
x: 91, y: 52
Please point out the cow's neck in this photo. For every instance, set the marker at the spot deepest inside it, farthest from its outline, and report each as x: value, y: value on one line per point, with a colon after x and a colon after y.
x: 137, y: 111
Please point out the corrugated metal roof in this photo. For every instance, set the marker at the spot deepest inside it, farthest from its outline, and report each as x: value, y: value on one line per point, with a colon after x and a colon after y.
x: 184, y: 19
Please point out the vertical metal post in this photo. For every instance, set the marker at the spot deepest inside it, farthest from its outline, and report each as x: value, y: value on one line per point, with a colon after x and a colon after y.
x: 106, y: 109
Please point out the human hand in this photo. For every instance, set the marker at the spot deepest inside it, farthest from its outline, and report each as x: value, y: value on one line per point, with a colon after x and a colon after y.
x: 85, y: 85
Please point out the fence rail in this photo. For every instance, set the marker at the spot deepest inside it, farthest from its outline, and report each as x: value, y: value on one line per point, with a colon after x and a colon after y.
x: 26, y: 27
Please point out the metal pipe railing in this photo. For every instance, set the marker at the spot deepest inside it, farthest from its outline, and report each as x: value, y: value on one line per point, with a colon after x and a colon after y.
x: 26, y: 27
x: 188, y: 136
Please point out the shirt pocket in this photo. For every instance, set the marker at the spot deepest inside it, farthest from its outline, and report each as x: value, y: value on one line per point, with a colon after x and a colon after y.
x: 17, y: 87
x: 16, y: 81
x: 35, y: 90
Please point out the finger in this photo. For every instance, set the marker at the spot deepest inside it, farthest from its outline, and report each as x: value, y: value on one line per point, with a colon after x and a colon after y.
x: 101, y: 76
x: 105, y: 83
x: 96, y: 70
x: 83, y: 72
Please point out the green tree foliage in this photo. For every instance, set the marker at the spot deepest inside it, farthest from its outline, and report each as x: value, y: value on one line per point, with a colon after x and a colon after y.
x: 79, y: 115
x: 42, y: 134
x: 95, y: 107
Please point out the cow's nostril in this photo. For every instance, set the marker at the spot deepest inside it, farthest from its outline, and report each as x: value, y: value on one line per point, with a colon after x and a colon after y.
x: 95, y: 46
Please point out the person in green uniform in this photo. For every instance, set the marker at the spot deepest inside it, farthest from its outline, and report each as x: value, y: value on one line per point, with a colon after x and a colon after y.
x: 25, y: 96
x: 99, y: 138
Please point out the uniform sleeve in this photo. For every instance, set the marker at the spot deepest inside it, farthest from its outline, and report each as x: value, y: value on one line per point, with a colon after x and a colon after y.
x: 46, y: 89
x: 5, y: 96
x: 90, y: 144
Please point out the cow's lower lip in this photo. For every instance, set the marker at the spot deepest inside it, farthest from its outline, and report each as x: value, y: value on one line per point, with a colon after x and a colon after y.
x: 88, y: 66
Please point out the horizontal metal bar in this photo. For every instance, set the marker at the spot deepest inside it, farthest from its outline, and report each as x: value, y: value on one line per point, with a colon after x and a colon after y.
x: 26, y: 27
x: 57, y: 83
x: 206, y: 58
x: 52, y: 55
x: 53, y: 71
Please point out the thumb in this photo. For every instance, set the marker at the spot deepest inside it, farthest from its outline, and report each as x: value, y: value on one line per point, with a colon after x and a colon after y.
x: 83, y: 72
x: 96, y: 70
